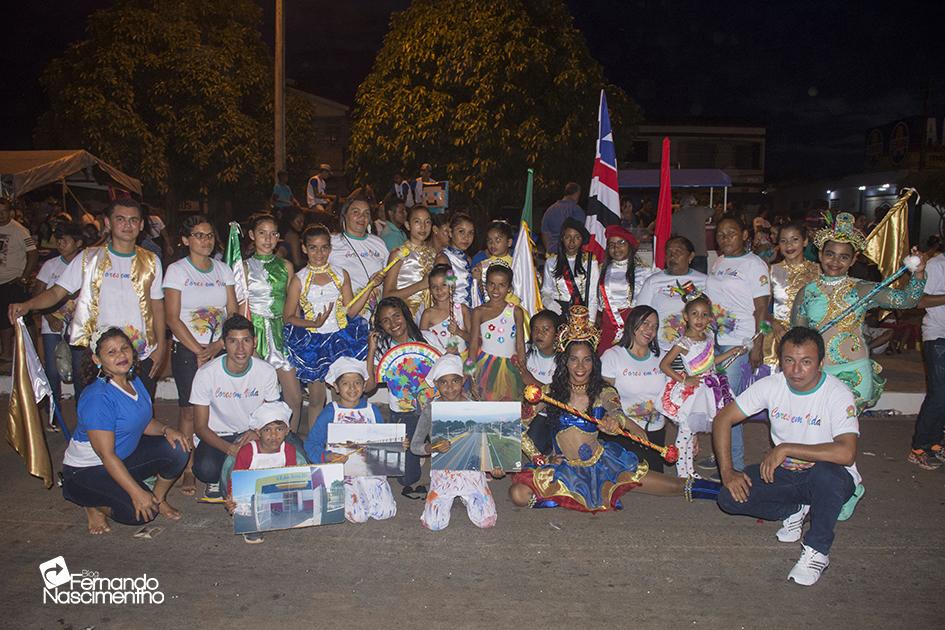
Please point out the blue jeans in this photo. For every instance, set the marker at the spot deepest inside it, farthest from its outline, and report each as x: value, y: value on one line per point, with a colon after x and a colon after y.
x: 208, y: 461
x: 412, y: 470
x: 825, y: 487
x: 50, y: 341
x: 92, y: 486
x: 739, y: 375
x: 930, y: 424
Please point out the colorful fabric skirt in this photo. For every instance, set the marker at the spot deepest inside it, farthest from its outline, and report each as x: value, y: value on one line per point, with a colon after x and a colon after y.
x: 594, y: 487
x: 269, y: 341
x: 498, y: 378
x: 312, y: 352
x: 694, y: 407
x: 863, y: 379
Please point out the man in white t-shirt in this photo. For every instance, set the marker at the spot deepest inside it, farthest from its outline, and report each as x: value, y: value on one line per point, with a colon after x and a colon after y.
x: 18, y: 258
x: 355, y: 250
x: 928, y: 451
x: 316, y: 192
x: 225, y: 393
x: 811, y: 469
x: 119, y: 285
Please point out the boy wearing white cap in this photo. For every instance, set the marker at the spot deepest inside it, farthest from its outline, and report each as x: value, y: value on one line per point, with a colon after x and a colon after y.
x: 471, y: 486
x: 365, y: 497
x: 271, y: 421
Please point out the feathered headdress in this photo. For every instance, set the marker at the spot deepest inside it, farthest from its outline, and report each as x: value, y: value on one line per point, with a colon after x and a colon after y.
x: 578, y: 328
x: 688, y: 291
x: 840, y: 230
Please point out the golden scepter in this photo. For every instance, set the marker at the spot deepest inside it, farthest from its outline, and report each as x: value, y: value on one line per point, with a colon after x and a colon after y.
x: 534, y: 395
x: 402, y: 253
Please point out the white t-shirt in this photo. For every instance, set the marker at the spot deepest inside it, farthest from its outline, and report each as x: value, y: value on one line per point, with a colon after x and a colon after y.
x: 933, y: 324
x: 640, y: 383
x: 657, y: 293
x: 233, y: 398
x: 15, y: 241
x: 814, y: 417
x: 732, y: 285
x: 48, y: 274
x: 202, y: 297
x: 360, y: 257
x: 540, y: 366
x: 118, y: 303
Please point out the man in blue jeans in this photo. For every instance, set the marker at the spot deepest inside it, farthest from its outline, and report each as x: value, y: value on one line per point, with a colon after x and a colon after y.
x: 811, y: 469
x: 927, y: 451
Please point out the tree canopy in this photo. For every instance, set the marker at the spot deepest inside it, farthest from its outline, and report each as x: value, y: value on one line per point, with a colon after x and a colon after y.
x: 483, y: 91
x: 177, y: 93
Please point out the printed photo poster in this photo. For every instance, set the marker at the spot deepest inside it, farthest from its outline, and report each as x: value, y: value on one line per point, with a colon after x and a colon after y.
x: 482, y: 435
x: 285, y: 498
x: 373, y: 450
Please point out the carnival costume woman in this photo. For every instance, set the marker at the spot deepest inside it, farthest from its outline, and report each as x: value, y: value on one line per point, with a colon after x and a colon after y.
x: 591, y: 476
x: 819, y: 302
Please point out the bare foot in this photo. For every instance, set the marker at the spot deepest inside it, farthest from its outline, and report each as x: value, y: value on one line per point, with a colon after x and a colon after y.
x: 168, y: 511
x: 98, y: 524
x: 187, y: 485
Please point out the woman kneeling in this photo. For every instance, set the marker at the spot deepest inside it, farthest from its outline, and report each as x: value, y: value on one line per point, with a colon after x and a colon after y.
x: 117, y: 444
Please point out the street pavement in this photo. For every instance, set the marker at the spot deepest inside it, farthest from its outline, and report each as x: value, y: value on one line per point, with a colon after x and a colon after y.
x: 660, y: 563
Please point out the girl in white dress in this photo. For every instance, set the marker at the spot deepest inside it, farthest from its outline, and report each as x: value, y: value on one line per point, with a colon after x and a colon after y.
x: 444, y: 323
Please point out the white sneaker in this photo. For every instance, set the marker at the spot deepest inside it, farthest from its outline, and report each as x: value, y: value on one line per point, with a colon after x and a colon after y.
x: 792, y: 526
x: 808, y: 569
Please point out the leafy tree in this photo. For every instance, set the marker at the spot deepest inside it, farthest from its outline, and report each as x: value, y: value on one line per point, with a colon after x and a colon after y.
x: 484, y: 90
x: 176, y: 92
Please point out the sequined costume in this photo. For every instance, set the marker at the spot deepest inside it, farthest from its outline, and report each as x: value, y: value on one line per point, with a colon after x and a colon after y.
x: 459, y: 261
x: 414, y: 267
x: 693, y: 407
x: 786, y: 281
x: 311, y: 351
x: 267, y: 278
x: 593, y: 475
x: 847, y: 351
x: 497, y: 377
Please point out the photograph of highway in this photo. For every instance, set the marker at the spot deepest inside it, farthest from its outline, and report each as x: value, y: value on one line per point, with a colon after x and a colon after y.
x: 482, y: 435
x: 373, y: 450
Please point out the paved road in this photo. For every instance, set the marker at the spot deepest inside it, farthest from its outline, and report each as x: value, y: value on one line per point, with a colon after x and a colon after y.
x: 464, y: 454
x: 659, y: 563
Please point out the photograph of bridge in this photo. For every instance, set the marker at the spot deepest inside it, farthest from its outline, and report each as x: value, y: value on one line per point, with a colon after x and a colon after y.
x: 482, y: 435
x: 372, y: 449
x: 286, y: 498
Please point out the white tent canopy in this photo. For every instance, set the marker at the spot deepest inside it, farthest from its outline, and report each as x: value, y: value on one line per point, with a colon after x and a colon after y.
x: 23, y: 171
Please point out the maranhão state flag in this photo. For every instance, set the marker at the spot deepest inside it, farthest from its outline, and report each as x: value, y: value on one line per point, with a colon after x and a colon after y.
x: 603, y: 203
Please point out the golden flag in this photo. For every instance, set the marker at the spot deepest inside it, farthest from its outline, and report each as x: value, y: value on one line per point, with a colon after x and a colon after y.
x: 888, y: 243
x: 24, y: 425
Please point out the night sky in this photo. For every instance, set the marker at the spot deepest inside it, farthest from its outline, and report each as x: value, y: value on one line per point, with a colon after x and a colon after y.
x: 816, y: 74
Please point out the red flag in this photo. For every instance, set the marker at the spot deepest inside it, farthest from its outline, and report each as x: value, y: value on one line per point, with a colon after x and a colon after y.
x: 664, y: 210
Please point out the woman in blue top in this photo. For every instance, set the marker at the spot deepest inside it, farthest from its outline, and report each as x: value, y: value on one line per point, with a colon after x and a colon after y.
x: 117, y: 444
